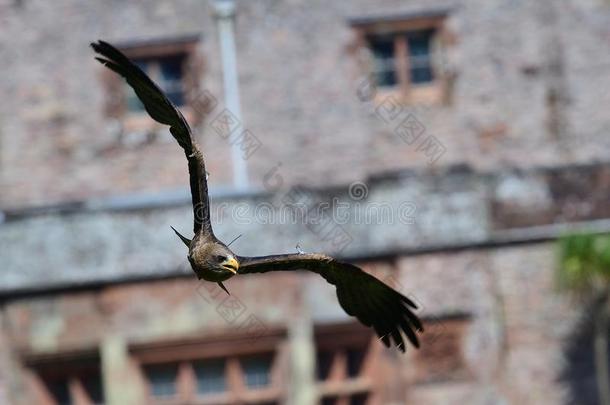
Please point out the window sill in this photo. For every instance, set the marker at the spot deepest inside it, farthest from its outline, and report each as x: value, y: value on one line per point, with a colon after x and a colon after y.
x: 349, y: 386
x: 141, y: 122
x: 429, y: 94
x: 249, y: 396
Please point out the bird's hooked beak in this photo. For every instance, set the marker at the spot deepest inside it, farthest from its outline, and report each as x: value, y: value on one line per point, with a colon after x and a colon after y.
x: 230, y: 264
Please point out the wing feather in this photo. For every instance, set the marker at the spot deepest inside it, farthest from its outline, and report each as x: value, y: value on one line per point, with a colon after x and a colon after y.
x: 360, y: 294
x: 162, y: 110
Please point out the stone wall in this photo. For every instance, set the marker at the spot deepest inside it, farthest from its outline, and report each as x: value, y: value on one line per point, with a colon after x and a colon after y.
x: 522, y: 95
x: 110, y: 240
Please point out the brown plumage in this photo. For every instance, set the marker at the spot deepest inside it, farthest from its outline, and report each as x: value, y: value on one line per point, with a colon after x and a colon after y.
x: 360, y: 294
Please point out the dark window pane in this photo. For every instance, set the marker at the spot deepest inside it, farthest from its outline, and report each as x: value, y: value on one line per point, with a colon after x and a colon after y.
x: 210, y: 376
x: 171, y: 78
x: 133, y: 102
x: 93, y: 387
x: 257, y: 371
x: 355, y: 358
x: 419, y: 43
x: 171, y: 67
x: 329, y: 401
x: 162, y: 380
x: 59, y: 391
x: 176, y: 97
x: 421, y: 75
x: 359, y: 399
x: 324, y: 363
x: 167, y: 72
x: 420, y: 58
x: 384, y: 64
x: 142, y: 64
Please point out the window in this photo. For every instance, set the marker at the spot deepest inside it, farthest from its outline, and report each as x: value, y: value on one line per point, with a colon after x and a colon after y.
x: 384, y: 60
x: 415, y: 47
x: 248, y: 380
x: 61, y: 381
x: 162, y: 380
x: 175, y: 66
x: 358, y: 399
x: 228, y: 370
x: 419, y: 49
x: 211, y: 376
x: 65, y: 389
x: 257, y: 371
x: 59, y: 391
x: 344, y: 362
x: 406, y: 54
x: 167, y: 72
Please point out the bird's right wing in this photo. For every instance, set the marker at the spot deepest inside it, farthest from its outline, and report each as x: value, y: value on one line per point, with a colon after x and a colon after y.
x: 360, y: 294
x: 162, y: 110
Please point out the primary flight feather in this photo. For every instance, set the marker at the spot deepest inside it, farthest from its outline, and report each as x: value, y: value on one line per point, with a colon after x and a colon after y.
x: 360, y: 294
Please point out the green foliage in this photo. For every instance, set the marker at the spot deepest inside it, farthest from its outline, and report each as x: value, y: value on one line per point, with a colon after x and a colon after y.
x: 584, y: 262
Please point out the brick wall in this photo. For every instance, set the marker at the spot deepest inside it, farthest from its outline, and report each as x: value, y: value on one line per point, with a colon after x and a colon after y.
x: 512, y: 328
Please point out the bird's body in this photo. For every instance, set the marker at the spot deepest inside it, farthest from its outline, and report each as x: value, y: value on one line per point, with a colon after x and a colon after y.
x: 360, y: 294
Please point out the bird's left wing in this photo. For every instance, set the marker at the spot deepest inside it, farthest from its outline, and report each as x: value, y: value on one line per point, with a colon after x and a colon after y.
x: 162, y: 110
x: 360, y: 294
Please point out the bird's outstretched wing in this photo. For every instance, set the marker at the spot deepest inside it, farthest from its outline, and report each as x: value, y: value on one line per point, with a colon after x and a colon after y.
x: 162, y: 110
x: 360, y: 294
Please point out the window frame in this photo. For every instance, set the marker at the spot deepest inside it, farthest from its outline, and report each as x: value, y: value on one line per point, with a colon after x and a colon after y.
x: 154, y: 68
x: 74, y: 367
x: 399, y: 27
x: 339, y: 339
x: 192, y: 66
x: 230, y: 348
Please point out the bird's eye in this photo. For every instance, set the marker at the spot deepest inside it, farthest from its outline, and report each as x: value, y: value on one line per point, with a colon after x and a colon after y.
x: 221, y: 258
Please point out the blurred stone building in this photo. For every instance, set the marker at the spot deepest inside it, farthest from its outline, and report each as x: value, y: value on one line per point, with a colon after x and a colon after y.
x: 449, y: 143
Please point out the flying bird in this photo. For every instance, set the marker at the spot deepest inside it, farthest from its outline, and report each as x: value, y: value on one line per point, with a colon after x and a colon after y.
x: 360, y: 294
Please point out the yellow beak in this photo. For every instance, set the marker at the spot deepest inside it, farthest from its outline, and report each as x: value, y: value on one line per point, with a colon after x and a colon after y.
x: 230, y: 264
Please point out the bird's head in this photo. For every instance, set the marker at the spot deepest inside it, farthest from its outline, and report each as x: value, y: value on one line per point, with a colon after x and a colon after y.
x: 214, y: 262
x: 221, y: 259
x: 211, y: 259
